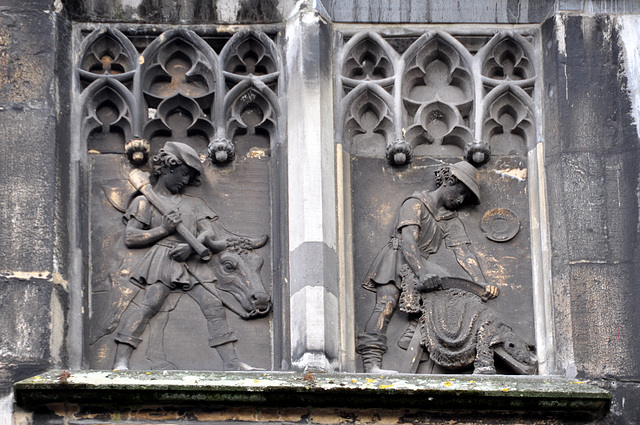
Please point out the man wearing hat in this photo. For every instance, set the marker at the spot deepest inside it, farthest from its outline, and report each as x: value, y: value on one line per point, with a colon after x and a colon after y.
x: 169, y: 263
x: 425, y: 220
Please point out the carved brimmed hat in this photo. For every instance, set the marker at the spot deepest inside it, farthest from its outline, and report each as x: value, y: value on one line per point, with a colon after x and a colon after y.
x: 187, y: 155
x: 184, y: 153
x: 468, y: 175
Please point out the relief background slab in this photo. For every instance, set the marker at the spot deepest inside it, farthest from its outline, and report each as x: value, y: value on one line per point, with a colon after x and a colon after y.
x: 239, y: 193
x: 378, y: 191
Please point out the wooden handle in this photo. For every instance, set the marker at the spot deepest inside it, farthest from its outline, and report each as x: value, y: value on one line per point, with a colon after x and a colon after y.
x: 140, y: 180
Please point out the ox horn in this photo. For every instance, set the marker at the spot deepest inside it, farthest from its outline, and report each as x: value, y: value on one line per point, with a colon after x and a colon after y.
x: 214, y: 245
x: 259, y: 243
x: 218, y: 246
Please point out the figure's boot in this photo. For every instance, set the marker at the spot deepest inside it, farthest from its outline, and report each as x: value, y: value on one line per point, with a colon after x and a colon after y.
x: 230, y: 359
x: 123, y: 354
x: 372, y: 347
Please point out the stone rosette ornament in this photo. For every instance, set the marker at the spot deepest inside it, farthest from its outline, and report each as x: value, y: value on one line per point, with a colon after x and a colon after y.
x: 138, y: 150
x: 399, y: 152
x: 221, y: 151
x: 477, y: 152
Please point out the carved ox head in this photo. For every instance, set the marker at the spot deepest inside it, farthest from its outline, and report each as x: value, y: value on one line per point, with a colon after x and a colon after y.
x: 237, y: 267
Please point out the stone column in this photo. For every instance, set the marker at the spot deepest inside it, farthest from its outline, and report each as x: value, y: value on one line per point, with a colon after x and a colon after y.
x: 312, y: 195
x: 33, y: 289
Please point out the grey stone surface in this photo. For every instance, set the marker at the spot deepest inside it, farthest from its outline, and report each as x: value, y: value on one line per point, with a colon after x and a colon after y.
x: 377, y: 11
x: 445, y: 11
x: 592, y: 172
x: 32, y: 296
x: 27, y: 125
x: 591, y: 167
x: 24, y: 347
x: 314, y: 313
x: 315, y: 255
x: 182, y: 11
x: 462, y: 394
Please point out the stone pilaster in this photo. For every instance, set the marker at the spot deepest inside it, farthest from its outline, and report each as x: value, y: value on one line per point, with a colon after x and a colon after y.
x: 312, y: 209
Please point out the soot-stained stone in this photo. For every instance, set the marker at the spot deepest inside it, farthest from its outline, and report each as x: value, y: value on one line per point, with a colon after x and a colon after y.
x: 258, y: 11
x: 25, y: 326
x: 592, y: 176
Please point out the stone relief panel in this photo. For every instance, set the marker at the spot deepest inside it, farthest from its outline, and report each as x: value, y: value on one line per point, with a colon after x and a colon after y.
x: 441, y: 240
x: 179, y: 198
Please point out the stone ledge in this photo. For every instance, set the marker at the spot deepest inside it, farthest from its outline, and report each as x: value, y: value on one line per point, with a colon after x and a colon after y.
x: 431, y: 393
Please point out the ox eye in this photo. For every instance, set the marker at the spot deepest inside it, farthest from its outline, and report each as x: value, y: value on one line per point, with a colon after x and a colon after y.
x: 229, y: 266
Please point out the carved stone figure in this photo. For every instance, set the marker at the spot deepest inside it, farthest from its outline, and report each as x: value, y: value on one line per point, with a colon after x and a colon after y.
x: 425, y: 220
x: 458, y: 329
x: 185, y: 254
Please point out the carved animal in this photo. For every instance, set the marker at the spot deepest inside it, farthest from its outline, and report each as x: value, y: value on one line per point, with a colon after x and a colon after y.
x: 458, y: 329
x: 239, y: 284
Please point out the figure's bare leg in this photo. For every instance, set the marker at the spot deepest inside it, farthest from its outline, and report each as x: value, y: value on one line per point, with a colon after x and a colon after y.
x: 156, y: 354
x: 219, y: 336
x: 372, y: 344
x: 129, y: 336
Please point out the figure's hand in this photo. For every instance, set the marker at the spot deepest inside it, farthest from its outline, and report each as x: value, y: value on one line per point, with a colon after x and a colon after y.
x: 181, y: 252
x: 206, y: 237
x: 170, y: 221
x: 429, y: 282
x: 490, y: 292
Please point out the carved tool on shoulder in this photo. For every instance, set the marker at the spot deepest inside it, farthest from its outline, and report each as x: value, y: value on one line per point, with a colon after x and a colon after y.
x: 140, y: 180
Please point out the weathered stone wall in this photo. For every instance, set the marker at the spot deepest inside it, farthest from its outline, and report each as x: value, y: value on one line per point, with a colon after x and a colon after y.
x: 592, y: 151
x: 32, y: 281
x: 373, y: 11
x: 591, y: 162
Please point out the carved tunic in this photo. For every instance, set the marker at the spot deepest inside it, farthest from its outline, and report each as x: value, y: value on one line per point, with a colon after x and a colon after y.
x: 435, y: 226
x: 157, y: 265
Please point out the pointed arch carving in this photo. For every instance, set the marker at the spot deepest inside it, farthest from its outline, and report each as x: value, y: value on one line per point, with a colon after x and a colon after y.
x: 369, y: 120
x: 109, y: 117
x: 437, y: 94
x: 251, y: 108
x: 507, y: 58
x: 106, y: 52
x: 437, y: 128
x: 368, y: 57
x: 437, y: 67
x: 179, y: 62
x: 509, y: 123
x: 179, y: 118
x: 250, y: 54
